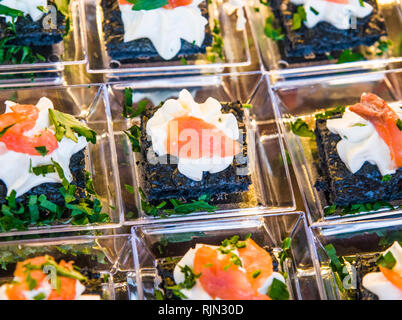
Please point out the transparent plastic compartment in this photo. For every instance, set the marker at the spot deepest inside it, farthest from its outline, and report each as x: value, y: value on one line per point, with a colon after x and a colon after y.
x: 279, y: 67
x: 366, y: 239
x: 152, y: 243
x: 107, y: 260
x: 304, y: 98
x: 88, y: 104
x: 235, y: 47
x: 271, y: 186
x: 69, y: 51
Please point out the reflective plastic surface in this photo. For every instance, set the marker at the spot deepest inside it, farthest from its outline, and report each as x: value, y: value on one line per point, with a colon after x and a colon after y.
x: 301, y: 100
x: 271, y: 186
x: 153, y: 243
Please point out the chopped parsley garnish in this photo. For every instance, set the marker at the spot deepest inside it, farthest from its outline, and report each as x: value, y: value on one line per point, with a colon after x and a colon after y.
x: 337, y: 265
x: 270, y: 31
x: 43, y: 170
x: 256, y: 273
x: 128, y: 109
x: 67, y: 126
x: 357, y: 208
x: 158, y: 294
x: 63, y: 6
x: 78, y: 208
x: 129, y: 188
x: 298, y: 18
x: 216, y: 50
x: 383, y: 47
x: 43, y: 9
x: 183, y: 61
x: 178, y: 207
x: 233, y: 243
x: 229, y: 245
x: 350, y: 56
x: 60, y: 270
x: 314, y: 11
x: 359, y: 125
x: 31, y: 282
x: 386, y: 260
x: 40, y: 296
x: 190, y: 279
x: 134, y: 134
x: 246, y: 105
x: 195, y: 206
x: 331, y: 112
x: 42, y: 150
x: 399, y: 124
x: 361, y: 2
x: 3, y: 132
x: 284, y: 254
x: 147, y: 5
x: 11, y: 53
x: 300, y: 128
x: 7, y: 11
x: 278, y: 290
x: 386, y: 178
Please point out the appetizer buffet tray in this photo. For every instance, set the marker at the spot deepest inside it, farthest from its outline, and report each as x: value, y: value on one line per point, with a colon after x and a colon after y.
x: 280, y: 67
x: 271, y: 189
x: 303, y: 99
x: 362, y: 240
x: 105, y: 260
x: 87, y: 103
x: 70, y: 51
x: 236, y: 51
x: 152, y: 244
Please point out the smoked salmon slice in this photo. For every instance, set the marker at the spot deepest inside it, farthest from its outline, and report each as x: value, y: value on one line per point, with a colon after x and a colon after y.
x: 256, y: 259
x: 384, y: 119
x: 66, y: 290
x: 394, y: 277
x: 17, y: 123
x: 223, y: 279
x: 15, y: 291
x: 193, y: 138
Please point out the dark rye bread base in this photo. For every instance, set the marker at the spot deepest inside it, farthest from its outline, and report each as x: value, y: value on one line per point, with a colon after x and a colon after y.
x: 142, y: 50
x: 84, y: 262
x: 32, y: 34
x: 364, y: 264
x: 324, y: 37
x: 164, y: 181
x: 51, y: 190
x: 165, y: 268
x: 342, y: 187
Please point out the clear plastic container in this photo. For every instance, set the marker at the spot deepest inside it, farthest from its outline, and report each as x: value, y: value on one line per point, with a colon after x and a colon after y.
x: 304, y: 98
x: 271, y: 188
x: 89, y: 104
x: 235, y: 47
x: 70, y: 51
x: 363, y: 239
x: 279, y: 67
x: 107, y: 260
x: 153, y: 243
x: 31, y: 79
